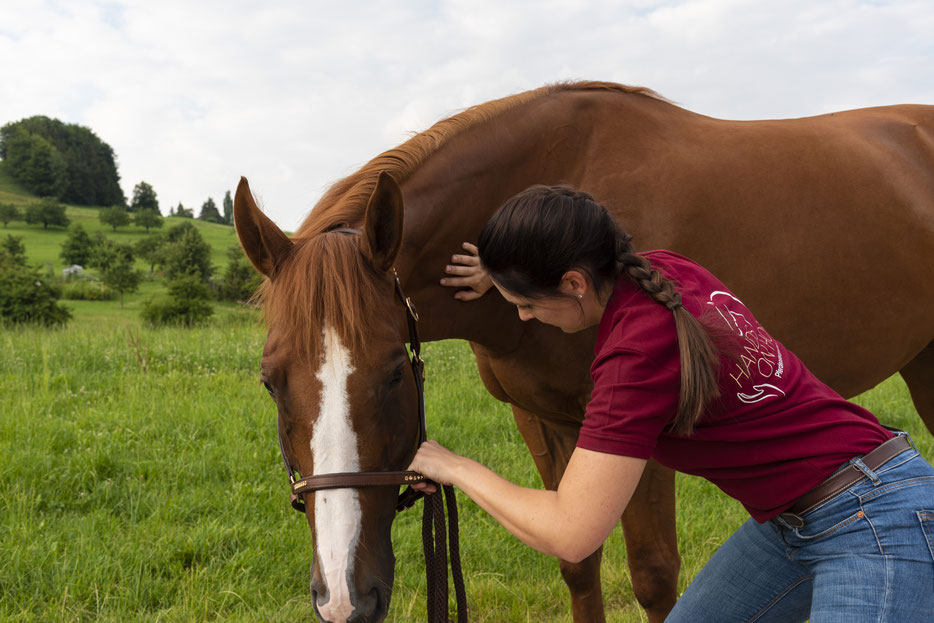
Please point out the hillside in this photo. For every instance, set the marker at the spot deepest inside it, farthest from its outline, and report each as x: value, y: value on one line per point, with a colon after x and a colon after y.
x: 43, y: 245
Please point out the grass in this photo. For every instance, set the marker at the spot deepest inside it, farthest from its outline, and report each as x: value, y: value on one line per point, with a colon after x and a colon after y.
x: 141, y: 482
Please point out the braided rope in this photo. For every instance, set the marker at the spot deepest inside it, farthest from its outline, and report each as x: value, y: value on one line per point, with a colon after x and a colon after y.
x: 436, y: 563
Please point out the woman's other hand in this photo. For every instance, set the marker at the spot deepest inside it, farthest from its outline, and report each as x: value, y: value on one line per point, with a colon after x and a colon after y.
x: 466, y: 274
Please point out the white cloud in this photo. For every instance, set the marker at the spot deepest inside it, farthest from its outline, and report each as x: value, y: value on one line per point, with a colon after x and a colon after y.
x: 295, y: 95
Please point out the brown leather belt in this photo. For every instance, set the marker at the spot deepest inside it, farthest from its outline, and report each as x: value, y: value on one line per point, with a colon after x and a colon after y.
x: 845, y: 478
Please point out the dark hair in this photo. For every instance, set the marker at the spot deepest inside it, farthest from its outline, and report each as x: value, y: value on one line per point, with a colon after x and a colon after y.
x: 543, y: 232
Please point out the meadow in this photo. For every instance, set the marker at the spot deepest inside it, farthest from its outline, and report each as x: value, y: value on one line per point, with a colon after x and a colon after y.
x: 141, y: 481
x: 140, y: 477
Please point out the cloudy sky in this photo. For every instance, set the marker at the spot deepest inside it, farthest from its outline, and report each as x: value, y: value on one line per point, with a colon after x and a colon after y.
x: 192, y: 94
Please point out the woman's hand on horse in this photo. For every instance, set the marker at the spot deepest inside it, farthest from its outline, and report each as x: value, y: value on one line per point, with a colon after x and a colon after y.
x: 468, y: 276
x: 436, y: 462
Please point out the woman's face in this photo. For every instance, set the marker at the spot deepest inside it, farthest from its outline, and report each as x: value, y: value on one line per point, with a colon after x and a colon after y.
x: 564, y: 312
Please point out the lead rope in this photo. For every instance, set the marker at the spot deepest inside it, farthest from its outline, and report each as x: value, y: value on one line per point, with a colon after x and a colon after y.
x: 433, y: 528
x: 436, y: 563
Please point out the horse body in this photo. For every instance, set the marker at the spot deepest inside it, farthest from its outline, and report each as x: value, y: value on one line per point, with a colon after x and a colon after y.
x: 824, y: 226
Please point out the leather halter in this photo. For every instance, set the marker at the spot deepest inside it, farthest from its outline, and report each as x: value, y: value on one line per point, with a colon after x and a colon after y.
x: 341, y: 480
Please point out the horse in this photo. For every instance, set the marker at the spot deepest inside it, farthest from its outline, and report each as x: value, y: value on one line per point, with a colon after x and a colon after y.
x: 824, y: 226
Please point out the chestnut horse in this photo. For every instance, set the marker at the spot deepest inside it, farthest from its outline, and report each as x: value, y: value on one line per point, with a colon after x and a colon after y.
x: 824, y: 226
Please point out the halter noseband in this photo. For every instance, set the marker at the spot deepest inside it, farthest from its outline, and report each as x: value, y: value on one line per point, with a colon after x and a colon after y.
x: 341, y: 480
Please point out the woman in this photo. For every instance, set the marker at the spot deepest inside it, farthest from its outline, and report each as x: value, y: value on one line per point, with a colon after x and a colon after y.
x: 842, y: 508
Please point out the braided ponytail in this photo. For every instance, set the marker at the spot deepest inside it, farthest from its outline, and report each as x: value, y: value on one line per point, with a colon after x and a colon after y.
x: 699, y: 357
x: 544, y: 231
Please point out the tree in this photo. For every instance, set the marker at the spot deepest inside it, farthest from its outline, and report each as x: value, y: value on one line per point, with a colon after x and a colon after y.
x: 187, y: 253
x: 9, y: 212
x: 209, y: 212
x: 106, y: 253
x: 47, y: 211
x: 183, y: 212
x: 77, y: 247
x: 148, y: 218
x: 13, y: 249
x: 45, y: 173
x: 228, y: 209
x: 24, y: 296
x: 122, y: 277
x: 240, y: 279
x: 152, y: 249
x: 187, y: 306
x: 144, y: 198
x: 115, y: 216
x: 80, y: 166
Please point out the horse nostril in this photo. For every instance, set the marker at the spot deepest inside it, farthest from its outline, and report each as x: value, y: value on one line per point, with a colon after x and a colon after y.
x: 371, y: 608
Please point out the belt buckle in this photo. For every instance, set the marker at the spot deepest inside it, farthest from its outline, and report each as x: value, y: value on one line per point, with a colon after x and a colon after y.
x: 789, y: 520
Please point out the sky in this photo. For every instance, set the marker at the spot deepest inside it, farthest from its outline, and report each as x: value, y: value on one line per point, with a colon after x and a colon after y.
x: 193, y: 94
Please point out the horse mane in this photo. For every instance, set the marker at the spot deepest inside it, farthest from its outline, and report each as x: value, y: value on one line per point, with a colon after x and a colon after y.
x: 326, y: 282
x: 345, y: 201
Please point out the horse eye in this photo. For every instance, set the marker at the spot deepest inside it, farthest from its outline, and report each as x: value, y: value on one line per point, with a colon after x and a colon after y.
x: 268, y: 387
x: 396, y: 377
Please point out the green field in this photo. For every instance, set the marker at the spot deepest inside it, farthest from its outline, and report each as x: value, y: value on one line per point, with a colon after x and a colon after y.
x: 141, y: 481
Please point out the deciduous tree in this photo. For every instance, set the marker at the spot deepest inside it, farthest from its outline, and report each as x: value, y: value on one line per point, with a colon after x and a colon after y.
x: 47, y: 211
x: 144, y: 198
x: 9, y: 212
x: 148, y: 218
x: 77, y: 247
x: 115, y: 216
x: 240, y: 279
x: 25, y: 296
x: 122, y: 277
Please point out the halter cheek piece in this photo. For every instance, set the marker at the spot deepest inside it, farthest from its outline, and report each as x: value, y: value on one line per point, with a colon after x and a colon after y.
x: 433, y: 528
x: 340, y: 480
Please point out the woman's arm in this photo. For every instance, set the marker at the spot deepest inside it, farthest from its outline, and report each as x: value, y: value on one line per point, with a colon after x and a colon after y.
x: 467, y: 275
x: 570, y: 523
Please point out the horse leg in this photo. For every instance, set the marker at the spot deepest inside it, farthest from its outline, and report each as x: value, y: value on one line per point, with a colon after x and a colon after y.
x: 551, y: 445
x: 652, y: 542
x: 919, y: 376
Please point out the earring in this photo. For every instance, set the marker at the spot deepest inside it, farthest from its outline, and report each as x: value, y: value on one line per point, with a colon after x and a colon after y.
x: 580, y: 296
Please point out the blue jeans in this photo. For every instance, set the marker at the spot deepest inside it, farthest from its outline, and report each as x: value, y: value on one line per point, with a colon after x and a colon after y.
x: 866, y: 554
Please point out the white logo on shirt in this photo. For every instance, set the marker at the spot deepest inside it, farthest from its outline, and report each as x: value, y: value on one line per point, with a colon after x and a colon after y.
x: 759, y: 358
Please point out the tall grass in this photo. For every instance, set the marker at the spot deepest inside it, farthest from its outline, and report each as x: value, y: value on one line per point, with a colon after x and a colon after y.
x: 140, y: 481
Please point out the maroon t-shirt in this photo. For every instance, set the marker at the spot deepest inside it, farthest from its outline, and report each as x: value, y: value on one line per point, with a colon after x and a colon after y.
x: 775, y: 432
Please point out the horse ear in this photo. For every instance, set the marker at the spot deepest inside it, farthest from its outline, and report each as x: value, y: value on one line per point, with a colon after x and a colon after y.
x: 382, y: 230
x: 263, y: 242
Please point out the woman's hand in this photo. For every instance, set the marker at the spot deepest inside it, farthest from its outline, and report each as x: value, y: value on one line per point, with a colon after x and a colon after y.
x: 436, y: 462
x: 468, y: 274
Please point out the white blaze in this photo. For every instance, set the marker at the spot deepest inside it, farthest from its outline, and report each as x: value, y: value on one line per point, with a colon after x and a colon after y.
x: 337, y: 511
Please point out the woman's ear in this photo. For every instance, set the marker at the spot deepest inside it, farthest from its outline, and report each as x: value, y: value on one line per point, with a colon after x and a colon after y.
x: 574, y: 283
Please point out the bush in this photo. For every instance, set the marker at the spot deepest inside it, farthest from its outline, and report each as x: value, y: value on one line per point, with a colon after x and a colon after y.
x: 188, y: 305
x: 26, y: 298
x: 87, y: 290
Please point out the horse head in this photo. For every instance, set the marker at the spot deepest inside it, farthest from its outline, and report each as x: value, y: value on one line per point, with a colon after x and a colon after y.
x: 336, y: 365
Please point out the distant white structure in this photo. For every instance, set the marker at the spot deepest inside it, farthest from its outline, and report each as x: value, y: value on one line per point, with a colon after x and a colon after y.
x: 74, y: 269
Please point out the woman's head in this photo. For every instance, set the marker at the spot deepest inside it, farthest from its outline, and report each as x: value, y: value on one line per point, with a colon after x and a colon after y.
x: 539, y: 235
x: 536, y: 244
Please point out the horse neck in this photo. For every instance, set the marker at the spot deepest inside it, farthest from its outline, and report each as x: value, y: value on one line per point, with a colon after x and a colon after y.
x: 454, y: 192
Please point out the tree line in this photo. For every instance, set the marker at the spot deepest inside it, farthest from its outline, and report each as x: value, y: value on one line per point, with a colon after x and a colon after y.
x: 143, y: 211
x: 62, y: 160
